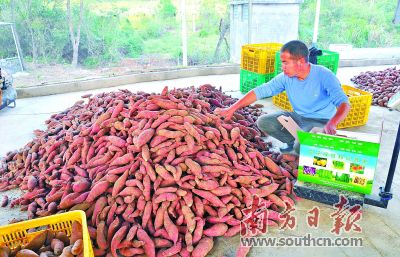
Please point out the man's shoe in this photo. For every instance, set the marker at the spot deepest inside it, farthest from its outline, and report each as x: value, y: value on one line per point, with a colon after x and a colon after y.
x: 287, y: 149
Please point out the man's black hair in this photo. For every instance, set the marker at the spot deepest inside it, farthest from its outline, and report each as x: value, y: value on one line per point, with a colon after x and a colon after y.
x: 296, y: 48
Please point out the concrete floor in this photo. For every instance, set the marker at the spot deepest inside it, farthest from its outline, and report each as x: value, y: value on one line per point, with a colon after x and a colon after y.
x: 380, y: 227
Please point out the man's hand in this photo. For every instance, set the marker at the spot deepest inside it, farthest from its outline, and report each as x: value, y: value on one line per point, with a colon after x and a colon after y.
x: 341, y: 113
x: 330, y: 128
x: 225, y: 113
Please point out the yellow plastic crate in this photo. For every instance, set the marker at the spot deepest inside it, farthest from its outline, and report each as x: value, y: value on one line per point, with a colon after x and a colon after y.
x: 360, y: 102
x: 259, y: 58
x: 17, y: 234
x: 282, y: 101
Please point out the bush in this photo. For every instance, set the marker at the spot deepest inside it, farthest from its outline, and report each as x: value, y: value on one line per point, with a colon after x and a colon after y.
x: 91, y: 62
x: 167, y: 9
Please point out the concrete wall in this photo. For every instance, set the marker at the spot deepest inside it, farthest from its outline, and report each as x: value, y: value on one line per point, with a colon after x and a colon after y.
x: 272, y: 21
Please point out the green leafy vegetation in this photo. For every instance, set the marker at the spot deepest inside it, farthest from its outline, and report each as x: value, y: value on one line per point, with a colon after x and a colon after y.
x: 114, y: 30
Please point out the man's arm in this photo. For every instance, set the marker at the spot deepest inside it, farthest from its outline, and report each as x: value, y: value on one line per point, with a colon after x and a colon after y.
x: 271, y: 88
x: 248, y: 99
x: 341, y: 113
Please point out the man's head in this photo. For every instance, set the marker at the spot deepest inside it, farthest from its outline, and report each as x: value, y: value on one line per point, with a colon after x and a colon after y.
x: 294, y: 57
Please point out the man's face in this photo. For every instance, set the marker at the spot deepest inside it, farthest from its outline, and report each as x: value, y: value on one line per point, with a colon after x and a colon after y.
x: 290, y: 64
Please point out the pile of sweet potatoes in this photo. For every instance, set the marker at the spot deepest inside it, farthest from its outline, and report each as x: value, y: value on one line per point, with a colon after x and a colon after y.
x: 382, y: 84
x: 156, y: 174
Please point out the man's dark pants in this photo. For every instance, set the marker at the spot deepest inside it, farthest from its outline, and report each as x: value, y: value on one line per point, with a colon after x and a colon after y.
x: 269, y: 124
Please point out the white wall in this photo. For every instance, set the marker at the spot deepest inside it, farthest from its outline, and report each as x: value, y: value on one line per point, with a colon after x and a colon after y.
x: 272, y: 21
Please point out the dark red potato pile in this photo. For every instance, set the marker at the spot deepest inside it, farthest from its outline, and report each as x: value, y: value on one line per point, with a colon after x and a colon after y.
x: 382, y: 84
x: 156, y: 174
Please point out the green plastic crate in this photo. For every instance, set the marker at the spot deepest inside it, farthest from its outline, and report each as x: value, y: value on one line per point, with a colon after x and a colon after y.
x: 250, y: 80
x: 328, y: 59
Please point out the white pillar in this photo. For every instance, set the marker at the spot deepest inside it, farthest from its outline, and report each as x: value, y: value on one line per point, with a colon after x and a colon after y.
x: 16, y: 46
x: 184, y: 33
x: 250, y: 9
x: 316, y: 23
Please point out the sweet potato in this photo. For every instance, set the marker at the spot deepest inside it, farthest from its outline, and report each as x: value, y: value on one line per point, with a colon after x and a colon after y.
x: 57, y: 246
x: 162, y: 233
x: 82, y: 206
x: 189, y: 217
x: 203, y: 247
x: 131, y: 191
x: 117, y: 238
x: 46, y: 254
x: 171, y: 228
x: 218, y: 229
x: 112, y: 228
x: 98, y: 207
x: 170, y: 134
x: 166, y: 190
x: 232, y: 231
x: 98, y: 189
x: 118, y: 108
x: 76, y: 233
x: 37, y: 242
x: 117, y: 141
x: 159, y: 218
x: 146, y: 152
x: 214, y: 200
x: 165, y: 197
x: 267, y: 190
x: 101, y: 239
x: 32, y: 182
x: 132, y: 233
x: 4, y: 201
x: 222, y: 191
x: 123, y: 160
x: 190, y: 141
x: 62, y: 237
x: 26, y: 253
x: 81, y: 185
x: 149, y: 247
x: 120, y: 184
x: 276, y: 200
x: 160, y: 170
x: 144, y: 137
x: 272, y: 166
x: 162, y: 243
x: 131, y: 251
x: 81, y: 198
x: 66, y: 252
x: 150, y: 171
x: 165, y: 104
x: 68, y: 201
x: 173, y: 250
x: 194, y: 167
x: 146, y: 213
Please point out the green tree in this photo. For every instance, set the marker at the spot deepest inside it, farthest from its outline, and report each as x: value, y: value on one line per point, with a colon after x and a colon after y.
x: 167, y: 9
x: 363, y: 23
x: 75, y: 38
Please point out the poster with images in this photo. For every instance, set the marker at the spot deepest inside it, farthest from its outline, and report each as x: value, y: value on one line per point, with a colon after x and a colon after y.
x: 341, y: 162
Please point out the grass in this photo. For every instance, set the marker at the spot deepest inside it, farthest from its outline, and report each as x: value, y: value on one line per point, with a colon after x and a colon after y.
x: 130, y: 7
x: 200, y: 49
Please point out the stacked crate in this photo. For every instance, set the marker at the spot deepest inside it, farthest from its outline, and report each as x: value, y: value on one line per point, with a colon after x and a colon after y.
x: 257, y: 64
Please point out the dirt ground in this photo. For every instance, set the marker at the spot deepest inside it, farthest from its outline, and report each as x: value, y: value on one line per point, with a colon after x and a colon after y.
x: 42, y: 74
